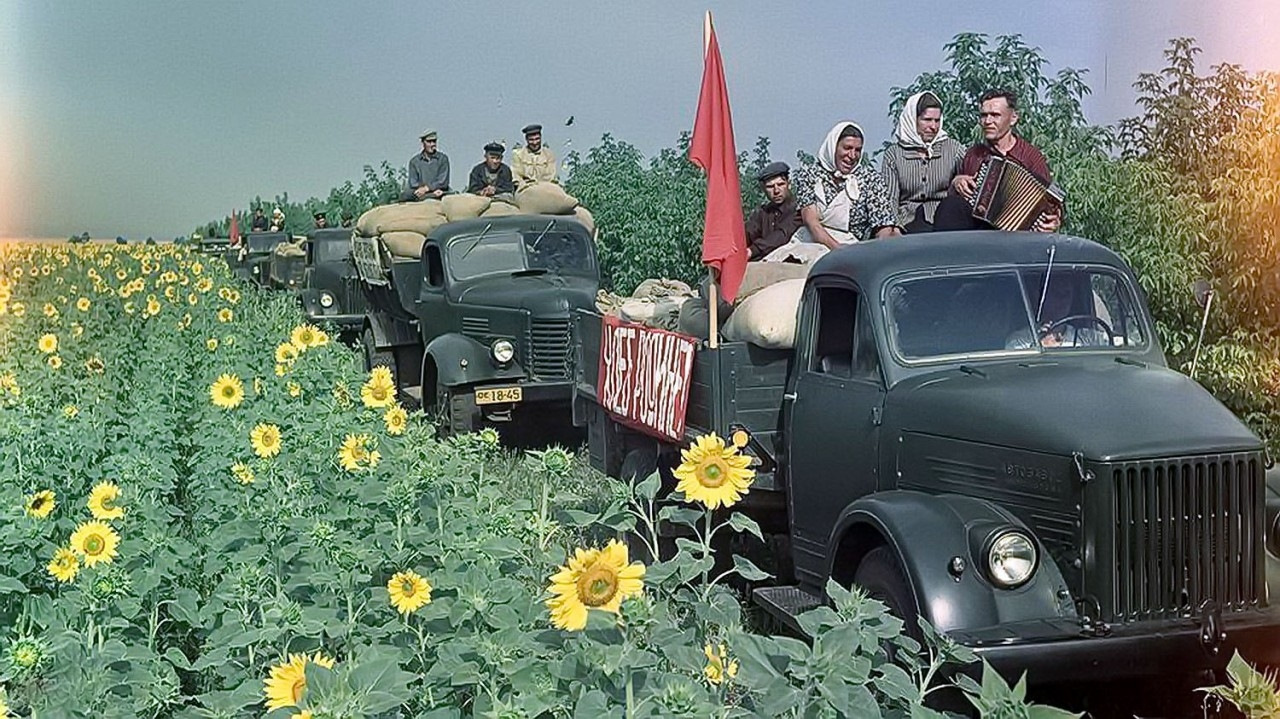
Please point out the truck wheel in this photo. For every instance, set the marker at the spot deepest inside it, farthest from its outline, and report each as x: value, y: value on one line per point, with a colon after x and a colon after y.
x: 458, y: 411
x: 881, y: 576
x: 374, y: 357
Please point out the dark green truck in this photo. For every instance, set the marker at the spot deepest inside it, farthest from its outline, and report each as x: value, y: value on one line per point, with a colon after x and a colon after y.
x: 981, y: 430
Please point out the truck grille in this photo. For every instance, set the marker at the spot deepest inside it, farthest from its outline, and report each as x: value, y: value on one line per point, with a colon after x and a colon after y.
x: 1186, y: 531
x: 549, y: 345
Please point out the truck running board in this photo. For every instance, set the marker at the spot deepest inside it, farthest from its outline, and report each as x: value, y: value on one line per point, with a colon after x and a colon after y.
x: 787, y: 603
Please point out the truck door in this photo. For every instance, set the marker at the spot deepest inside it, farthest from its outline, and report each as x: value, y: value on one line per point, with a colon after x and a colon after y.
x: 432, y: 303
x: 833, y: 423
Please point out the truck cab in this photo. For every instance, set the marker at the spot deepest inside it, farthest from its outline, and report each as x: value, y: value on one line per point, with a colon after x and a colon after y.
x: 478, y: 326
x: 330, y: 289
x: 251, y: 259
x: 981, y: 430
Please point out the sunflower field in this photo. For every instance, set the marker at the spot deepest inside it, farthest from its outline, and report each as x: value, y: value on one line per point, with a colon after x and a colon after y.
x: 210, y: 510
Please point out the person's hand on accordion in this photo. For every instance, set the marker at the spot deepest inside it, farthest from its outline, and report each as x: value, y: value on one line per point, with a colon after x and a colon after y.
x: 965, y: 186
x: 1049, y: 221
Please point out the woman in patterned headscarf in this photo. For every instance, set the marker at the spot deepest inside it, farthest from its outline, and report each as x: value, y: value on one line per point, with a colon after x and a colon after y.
x: 841, y: 199
x: 919, y: 166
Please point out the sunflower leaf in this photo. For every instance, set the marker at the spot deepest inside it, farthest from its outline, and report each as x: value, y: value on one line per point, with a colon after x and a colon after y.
x: 742, y: 523
x: 749, y: 571
x: 648, y: 487
x: 687, y: 516
x: 9, y: 585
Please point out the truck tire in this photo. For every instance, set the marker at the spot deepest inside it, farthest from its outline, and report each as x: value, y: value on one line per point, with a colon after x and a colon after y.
x: 459, y: 413
x: 881, y: 576
x: 374, y: 357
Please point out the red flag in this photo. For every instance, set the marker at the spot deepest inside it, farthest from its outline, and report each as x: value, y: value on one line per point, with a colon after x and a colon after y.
x: 724, y: 239
x: 235, y: 230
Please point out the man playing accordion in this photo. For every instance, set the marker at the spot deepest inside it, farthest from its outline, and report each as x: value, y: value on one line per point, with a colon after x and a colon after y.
x: 998, y: 114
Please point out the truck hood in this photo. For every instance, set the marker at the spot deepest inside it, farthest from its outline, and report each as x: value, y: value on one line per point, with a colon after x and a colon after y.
x: 1106, y: 410
x: 541, y: 295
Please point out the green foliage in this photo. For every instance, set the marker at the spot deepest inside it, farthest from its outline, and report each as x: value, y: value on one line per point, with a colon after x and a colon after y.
x: 1251, y: 692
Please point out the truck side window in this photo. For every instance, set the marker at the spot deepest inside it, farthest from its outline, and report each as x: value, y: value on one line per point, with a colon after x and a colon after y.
x: 833, y: 336
x: 866, y: 359
x: 435, y: 267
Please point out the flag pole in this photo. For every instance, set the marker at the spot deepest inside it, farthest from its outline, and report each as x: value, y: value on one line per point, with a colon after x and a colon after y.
x: 713, y: 300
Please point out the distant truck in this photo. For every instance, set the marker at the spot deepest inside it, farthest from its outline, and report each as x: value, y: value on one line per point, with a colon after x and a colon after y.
x: 251, y: 259
x: 478, y: 326
x: 329, y: 289
x: 980, y: 429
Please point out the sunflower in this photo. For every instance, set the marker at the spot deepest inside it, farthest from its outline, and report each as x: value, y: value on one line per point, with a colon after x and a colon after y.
x: 286, y: 353
x: 226, y: 315
x: 204, y: 285
x: 211, y: 344
x: 719, y: 667
x: 396, y: 419
x: 593, y: 579
x: 242, y: 472
x: 265, y: 439
x: 94, y: 365
x: 355, y: 455
x: 295, y: 389
x: 64, y: 566
x: 96, y: 542
x: 77, y: 329
x: 9, y: 384
x: 193, y: 299
x: 282, y: 370
x: 380, y: 389
x: 227, y: 391
x: 304, y: 337
x: 83, y: 304
x: 50, y: 311
x: 712, y: 473
x: 48, y: 344
x: 55, y: 361
x: 17, y: 309
x: 70, y: 411
x: 102, y: 501
x: 288, y: 679
x: 408, y: 592
x: 41, y: 504
x: 196, y: 268
x: 153, y: 306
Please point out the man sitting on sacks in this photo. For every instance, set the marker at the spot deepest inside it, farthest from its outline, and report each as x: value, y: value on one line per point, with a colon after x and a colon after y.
x: 534, y: 162
x: 772, y: 224
x: 492, y: 178
x: 428, y: 172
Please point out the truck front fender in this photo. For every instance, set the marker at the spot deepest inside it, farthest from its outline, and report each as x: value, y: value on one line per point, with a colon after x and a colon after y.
x: 460, y: 360
x: 390, y: 332
x: 929, y: 533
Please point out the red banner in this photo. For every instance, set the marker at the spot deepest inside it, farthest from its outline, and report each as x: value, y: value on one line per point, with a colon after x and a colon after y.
x: 644, y: 377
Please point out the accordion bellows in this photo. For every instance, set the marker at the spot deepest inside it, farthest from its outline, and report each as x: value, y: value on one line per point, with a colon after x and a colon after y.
x: 1010, y: 197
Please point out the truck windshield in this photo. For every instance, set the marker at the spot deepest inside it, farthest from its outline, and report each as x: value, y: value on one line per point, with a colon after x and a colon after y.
x: 561, y: 252
x: 265, y: 242
x: 331, y: 250
x: 1014, y: 311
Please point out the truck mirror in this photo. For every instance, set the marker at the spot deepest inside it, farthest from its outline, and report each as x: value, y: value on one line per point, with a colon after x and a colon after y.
x: 1201, y: 289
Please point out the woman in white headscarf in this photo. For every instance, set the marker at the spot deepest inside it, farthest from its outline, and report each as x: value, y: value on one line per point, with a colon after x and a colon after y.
x: 919, y: 166
x: 841, y: 199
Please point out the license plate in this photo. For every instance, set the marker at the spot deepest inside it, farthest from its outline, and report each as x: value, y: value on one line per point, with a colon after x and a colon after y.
x: 499, y: 395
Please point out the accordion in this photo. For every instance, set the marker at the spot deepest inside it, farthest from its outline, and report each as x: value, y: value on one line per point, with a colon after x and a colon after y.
x: 1010, y: 198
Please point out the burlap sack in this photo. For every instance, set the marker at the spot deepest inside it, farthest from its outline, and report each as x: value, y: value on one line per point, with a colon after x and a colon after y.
x: 421, y: 217
x: 290, y: 249
x: 498, y: 208
x: 404, y: 243
x: 585, y: 218
x: 763, y: 274
x: 464, y: 206
x: 545, y: 198
x: 768, y: 317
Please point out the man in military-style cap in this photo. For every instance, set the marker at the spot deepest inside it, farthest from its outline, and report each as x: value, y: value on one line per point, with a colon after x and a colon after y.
x: 533, y: 162
x: 322, y: 221
x: 492, y: 178
x: 771, y: 225
x: 428, y: 171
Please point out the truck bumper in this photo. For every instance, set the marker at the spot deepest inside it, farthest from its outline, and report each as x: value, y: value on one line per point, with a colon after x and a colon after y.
x: 346, y: 322
x: 1056, y: 651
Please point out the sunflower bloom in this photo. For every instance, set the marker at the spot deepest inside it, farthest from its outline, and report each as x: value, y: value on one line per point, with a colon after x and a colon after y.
x: 9, y: 384
x: 226, y: 315
x: 40, y: 504
x: 64, y: 566
x: 102, y: 501
x: 153, y: 306
x: 409, y: 592
x: 355, y: 455
x: 286, y: 353
x: 396, y: 419
x: 242, y: 472
x: 211, y: 344
x: 54, y: 362
x: 265, y: 439
x: 288, y: 680
x: 70, y: 411
x: 712, y: 474
x: 96, y: 542
x: 295, y: 389
x: 83, y: 304
x: 593, y: 579
x: 48, y: 343
x: 305, y: 336
x: 719, y: 666
x: 227, y: 391
x: 380, y: 389
x: 94, y: 365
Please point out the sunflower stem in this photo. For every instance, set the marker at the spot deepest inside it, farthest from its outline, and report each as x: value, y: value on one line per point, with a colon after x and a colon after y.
x: 707, y: 532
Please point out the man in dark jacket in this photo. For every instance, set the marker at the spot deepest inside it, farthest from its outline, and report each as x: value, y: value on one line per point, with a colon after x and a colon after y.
x: 492, y: 178
x: 771, y: 225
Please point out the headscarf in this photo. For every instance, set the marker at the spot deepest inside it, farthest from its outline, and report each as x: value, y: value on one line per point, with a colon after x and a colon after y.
x: 907, y: 134
x: 827, y: 156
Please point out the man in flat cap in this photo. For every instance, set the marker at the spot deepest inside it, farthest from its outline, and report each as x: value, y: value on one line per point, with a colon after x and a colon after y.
x: 492, y: 178
x: 771, y: 225
x: 428, y: 171
x: 533, y: 162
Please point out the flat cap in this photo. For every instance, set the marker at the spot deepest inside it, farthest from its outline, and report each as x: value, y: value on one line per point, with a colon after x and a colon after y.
x: 427, y: 135
x: 530, y: 129
x: 772, y: 170
x: 494, y: 148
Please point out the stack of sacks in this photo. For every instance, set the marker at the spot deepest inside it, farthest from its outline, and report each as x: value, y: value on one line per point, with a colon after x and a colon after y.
x: 403, y: 226
x: 655, y: 303
x: 548, y: 198
x: 768, y: 321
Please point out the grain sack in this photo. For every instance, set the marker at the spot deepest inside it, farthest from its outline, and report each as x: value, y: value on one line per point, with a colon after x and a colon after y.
x: 585, y: 218
x: 545, y: 198
x: 290, y: 249
x: 464, y: 206
x: 768, y: 317
x: 499, y: 208
x: 760, y: 275
x: 404, y: 243
x: 421, y: 217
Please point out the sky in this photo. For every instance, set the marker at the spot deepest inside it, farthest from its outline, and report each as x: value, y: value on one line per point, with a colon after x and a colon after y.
x: 143, y: 118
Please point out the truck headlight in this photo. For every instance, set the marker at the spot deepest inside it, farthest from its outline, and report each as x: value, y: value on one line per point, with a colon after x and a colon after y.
x: 1011, y: 559
x: 326, y: 300
x: 257, y: 269
x: 503, y: 351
